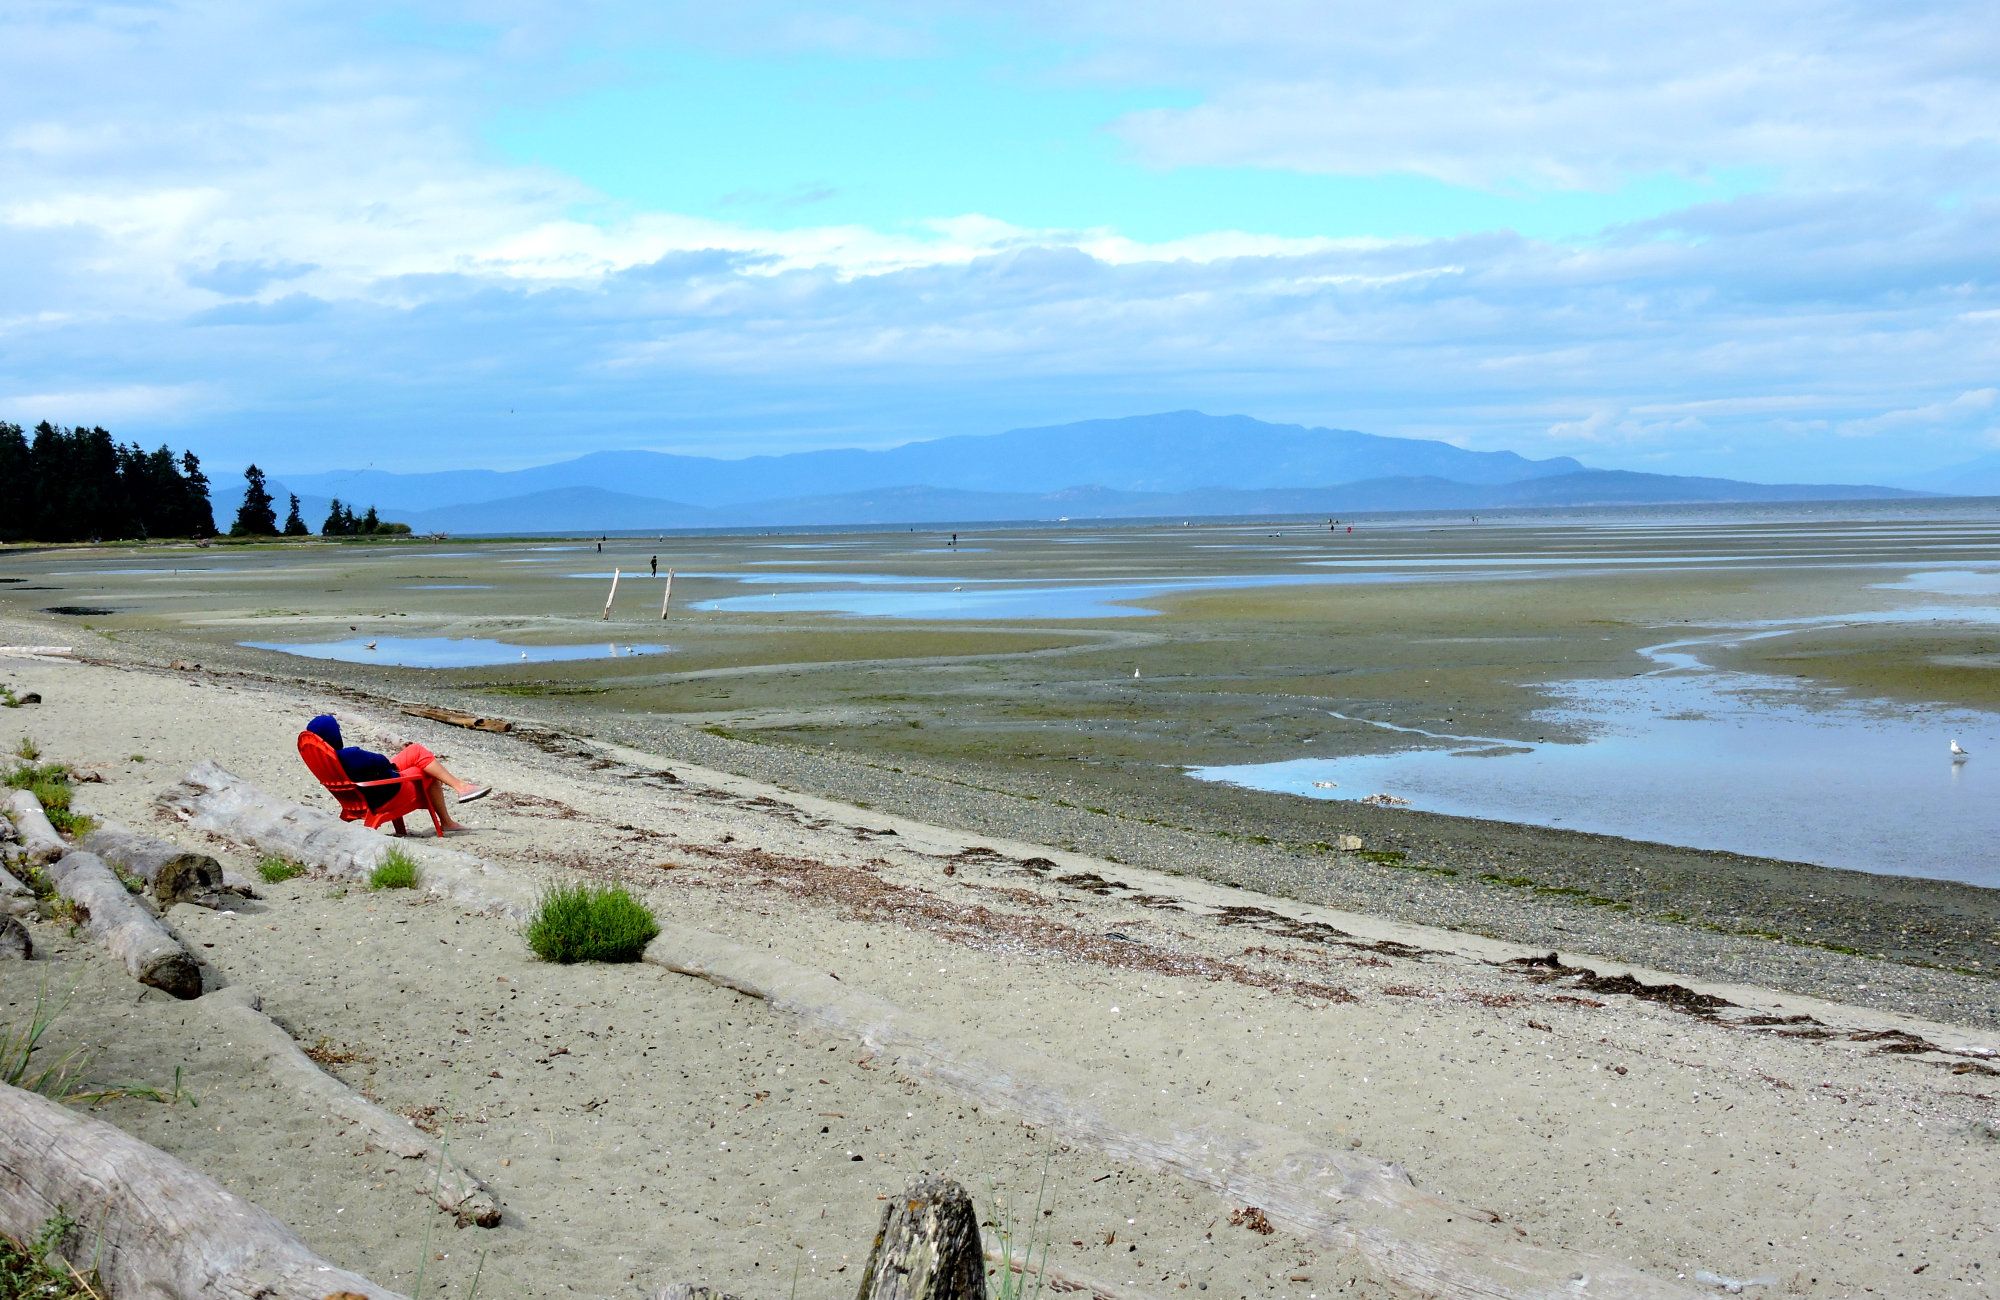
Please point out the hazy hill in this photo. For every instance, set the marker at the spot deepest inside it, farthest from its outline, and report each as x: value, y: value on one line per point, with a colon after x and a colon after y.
x: 1176, y: 451
x: 1978, y: 477
x: 1179, y: 463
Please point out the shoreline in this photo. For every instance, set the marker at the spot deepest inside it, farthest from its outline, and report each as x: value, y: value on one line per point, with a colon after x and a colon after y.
x: 1913, y: 944
x: 680, y: 1132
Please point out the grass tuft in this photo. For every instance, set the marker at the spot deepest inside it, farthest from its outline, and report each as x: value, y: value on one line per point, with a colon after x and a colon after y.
x: 397, y: 871
x: 581, y: 922
x: 276, y: 870
x: 62, y: 1079
x: 36, y: 1270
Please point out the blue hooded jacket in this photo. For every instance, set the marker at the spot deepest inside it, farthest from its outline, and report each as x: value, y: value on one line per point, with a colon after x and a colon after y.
x: 359, y: 764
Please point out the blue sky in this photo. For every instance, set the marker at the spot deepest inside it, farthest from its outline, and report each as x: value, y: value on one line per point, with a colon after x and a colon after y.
x: 1697, y: 237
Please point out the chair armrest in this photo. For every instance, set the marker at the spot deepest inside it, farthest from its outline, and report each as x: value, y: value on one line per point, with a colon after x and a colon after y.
x: 405, y: 779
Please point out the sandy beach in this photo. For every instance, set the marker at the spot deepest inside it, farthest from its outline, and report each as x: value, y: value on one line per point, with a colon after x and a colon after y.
x: 641, y: 1127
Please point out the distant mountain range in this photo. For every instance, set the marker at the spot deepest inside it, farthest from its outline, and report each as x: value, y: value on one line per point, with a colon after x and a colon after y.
x: 1978, y: 477
x: 1178, y: 463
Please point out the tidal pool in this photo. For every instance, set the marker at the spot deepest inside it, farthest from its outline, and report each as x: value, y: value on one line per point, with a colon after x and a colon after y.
x: 1691, y: 755
x: 448, y: 651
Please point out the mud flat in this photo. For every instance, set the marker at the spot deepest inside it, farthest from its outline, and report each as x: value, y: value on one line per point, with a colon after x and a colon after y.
x: 641, y: 1127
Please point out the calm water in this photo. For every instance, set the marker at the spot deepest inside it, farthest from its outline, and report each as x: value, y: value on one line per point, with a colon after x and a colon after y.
x: 448, y: 651
x: 1693, y: 755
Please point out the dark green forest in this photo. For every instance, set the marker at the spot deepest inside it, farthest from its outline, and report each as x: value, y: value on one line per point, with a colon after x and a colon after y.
x: 73, y: 485
x: 82, y: 485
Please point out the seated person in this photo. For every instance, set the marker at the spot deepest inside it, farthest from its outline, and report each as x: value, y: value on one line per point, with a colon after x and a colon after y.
x: 367, y: 765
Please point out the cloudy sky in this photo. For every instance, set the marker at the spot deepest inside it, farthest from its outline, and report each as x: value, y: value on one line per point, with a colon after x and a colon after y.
x: 1760, y: 239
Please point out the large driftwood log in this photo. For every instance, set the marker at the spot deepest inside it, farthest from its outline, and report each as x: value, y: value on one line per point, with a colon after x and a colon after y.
x: 927, y: 1247
x: 213, y: 799
x: 172, y: 873
x: 149, y: 1225
x: 128, y: 930
x: 31, y: 826
x: 1344, y: 1199
x: 238, y: 1013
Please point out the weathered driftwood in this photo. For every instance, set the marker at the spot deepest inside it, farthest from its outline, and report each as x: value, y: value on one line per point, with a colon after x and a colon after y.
x: 453, y: 718
x: 692, y: 1291
x: 213, y: 799
x: 238, y: 1013
x: 172, y: 873
x: 15, y: 944
x: 39, y: 841
x: 127, y: 930
x: 1345, y: 1199
x: 927, y: 1247
x: 149, y: 1225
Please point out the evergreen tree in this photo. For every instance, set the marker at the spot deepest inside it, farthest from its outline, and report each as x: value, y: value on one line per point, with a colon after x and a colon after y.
x: 371, y: 523
x: 198, y: 513
x: 294, y: 525
x: 336, y: 524
x: 17, y: 484
x: 255, y: 518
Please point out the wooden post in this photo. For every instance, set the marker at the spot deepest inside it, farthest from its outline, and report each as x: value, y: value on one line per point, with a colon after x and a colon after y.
x: 614, y: 594
x: 927, y: 1247
x: 667, y: 596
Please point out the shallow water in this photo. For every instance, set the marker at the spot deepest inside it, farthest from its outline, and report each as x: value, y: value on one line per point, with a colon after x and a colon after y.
x: 1692, y: 755
x: 448, y: 652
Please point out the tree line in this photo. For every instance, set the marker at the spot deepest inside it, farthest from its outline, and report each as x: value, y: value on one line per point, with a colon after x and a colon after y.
x: 79, y: 485
x: 71, y: 485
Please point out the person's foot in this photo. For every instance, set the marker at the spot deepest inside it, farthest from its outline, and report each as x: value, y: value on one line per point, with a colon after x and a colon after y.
x: 477, y: 792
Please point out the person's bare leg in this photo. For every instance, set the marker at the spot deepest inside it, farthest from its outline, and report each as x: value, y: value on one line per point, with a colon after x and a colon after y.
x: 434, y: 796
x: 437, y: 771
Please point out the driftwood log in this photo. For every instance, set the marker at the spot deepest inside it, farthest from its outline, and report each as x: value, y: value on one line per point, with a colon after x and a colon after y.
x: 39, y: 840
x: 238, y: 1013
x: 213, y: 799
x: 127, y: 930
x: 692, y: 1291
x: 149, y: 1225
x: 927, y: 1247
x: 173, y: 874
x: 15, y: 944
x: 452, y: 717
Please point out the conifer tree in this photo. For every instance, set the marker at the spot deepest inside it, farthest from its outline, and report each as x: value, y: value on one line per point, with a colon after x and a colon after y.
x: 370, y: 522
x: 294, y: 525
x: 255, y: 518
x: 336, y: 524
x: 197, y: 511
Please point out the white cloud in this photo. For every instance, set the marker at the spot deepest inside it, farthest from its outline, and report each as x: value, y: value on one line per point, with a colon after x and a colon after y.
x: 1973, y: 406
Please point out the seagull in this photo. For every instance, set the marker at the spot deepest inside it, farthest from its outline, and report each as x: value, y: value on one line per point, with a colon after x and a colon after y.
x: 1958, y: 754
x: 371, y: 645
x: 1135, y: 674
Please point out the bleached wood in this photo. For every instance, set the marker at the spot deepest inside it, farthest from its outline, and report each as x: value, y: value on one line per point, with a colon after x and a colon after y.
x: 127, y: 930
x: 152, y: 1227
x: 15, y: 942
x: 238, y: 1012
x: 173, y: 874
x: 39, y: 841
x: 213, y: 799
x: 1344, y: 1199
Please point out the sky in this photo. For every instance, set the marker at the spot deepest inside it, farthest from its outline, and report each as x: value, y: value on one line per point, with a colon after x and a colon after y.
x: 1760, y: 241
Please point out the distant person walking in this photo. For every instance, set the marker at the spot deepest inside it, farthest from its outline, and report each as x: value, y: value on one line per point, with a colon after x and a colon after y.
x: 656, y: 566
x: 600, y: 548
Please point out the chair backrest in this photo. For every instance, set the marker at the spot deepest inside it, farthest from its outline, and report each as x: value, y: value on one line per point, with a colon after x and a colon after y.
x: 325, y: 765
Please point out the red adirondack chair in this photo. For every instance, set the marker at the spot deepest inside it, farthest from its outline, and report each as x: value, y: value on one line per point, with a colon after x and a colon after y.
x: 325, y: 765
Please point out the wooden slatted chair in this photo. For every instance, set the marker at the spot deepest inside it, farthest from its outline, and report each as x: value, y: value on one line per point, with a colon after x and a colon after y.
x: 325, y: 765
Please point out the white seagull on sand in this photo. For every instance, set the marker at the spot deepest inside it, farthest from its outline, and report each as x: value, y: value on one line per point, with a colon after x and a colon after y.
x: 1957, y: 752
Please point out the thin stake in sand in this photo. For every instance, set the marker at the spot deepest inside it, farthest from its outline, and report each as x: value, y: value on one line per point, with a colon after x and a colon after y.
x: 613, y: 596
x: 667, y: 596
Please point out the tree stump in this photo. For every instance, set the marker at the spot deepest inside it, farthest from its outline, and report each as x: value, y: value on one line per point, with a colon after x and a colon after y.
x: 927, y: 1247
x: 172, y: 873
